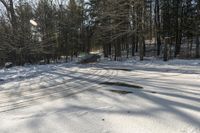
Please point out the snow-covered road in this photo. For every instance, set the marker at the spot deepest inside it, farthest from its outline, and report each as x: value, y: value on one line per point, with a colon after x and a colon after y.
x: 68, y: 98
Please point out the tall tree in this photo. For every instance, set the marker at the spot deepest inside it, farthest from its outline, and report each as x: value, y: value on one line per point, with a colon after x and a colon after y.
x: 197, y: 27
x: 158, y: 26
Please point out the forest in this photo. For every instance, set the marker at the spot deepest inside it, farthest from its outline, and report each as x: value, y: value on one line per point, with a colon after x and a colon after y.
x: 31, y: 31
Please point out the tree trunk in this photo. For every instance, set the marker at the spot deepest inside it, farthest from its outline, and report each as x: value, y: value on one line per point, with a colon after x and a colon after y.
x: 105, y: 50
x: 178, y: 29
x: 133, y: 45
x: 197, y: 32
x: 166, y: 49
x: 136, y: 44
x: 141, y: 13
x: 197, y: 47
x: 109, y: 49
x: 127, y: 47
x: 157, y: 23
x: 144, y: 46
x: 141, y: 45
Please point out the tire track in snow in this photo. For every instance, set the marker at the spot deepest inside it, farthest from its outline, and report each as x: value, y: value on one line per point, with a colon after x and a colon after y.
x: 56, y: 95
x: 39, y: 81
x: 40, y: 89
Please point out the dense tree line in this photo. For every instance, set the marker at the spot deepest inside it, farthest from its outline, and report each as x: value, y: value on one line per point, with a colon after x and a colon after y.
x: 121, y: 28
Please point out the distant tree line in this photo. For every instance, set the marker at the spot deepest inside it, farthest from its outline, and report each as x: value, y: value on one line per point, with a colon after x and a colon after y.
x: 120, y: 28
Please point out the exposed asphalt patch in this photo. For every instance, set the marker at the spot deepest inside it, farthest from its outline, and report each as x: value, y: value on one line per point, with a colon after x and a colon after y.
x: 153, y: 92
x: 124, y: 92
x: 121, y: 69
x: 122, y: 85
x: 121, y: 92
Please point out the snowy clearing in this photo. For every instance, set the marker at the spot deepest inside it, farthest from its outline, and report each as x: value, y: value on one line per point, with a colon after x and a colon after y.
x: 69, y: 98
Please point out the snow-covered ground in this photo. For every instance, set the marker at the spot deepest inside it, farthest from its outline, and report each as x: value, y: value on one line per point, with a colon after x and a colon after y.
x: 69, y: 98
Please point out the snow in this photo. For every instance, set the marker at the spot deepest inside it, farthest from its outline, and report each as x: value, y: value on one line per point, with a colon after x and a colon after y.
x: 68, y: 98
